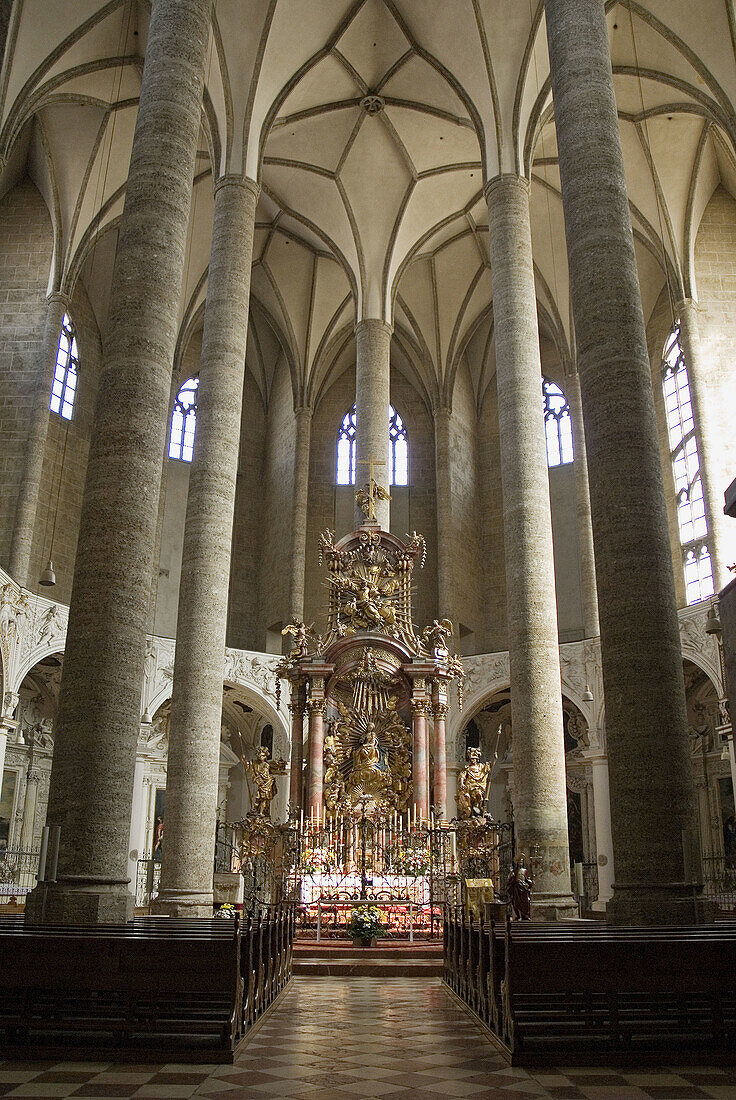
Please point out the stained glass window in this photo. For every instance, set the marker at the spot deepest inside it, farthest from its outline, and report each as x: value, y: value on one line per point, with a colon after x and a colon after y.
x: 686, y: 469
x: 398, y: 449
x: 557, y: 424
x: 66, y: 371
x: 184, y: 421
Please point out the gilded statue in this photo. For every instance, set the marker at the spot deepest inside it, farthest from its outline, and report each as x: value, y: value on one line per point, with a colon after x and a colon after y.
x: 434, y: 637
x: 366, y: 598
x: 472, y: 784
x: 262, y: 771
x: 302, y: 634
x: 366, y: 498
x: 334, y: 786
x: 366, y: 772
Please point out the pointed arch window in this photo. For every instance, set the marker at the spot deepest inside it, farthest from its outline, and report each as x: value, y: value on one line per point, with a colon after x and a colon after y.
x: 557, y: 424
x: 692, y: 522
x: 398, y: 449
x: 66, y: 371
x: 184, y: 421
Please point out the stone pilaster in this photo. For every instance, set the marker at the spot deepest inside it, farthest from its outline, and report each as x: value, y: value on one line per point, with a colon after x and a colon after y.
x: 303, y: 419
x: 99, y: 707
x: 27, y: 505
x: 582, y: 508
x: 372, y: 397
x: 721, y: 542
x: 536, y: 699
x: 653, y: 807
x: 196, y: 702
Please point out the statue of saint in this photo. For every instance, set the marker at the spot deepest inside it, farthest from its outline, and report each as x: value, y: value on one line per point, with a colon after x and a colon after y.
x: 519, y: 889
x: 334, y: 786
x: 472, y: 785
x: 262, y: 771
x: 366, y: 772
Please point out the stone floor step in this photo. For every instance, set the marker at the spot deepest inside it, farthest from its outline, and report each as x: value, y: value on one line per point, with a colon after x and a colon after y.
x: 369, y: 967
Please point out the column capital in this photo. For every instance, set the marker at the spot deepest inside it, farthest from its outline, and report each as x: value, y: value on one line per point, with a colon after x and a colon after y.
x: 232, y: 179
x: 316, y: 706
x: 303, y: 412
x: 442, y: 412
x: 59, y: 297
x: 505, y: 179
x: 374, y: 322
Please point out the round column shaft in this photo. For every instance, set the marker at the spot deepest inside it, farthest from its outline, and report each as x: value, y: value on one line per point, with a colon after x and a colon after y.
x: 652, y: 800
x: 372, y: 383
x: 582, y: 508
x: 420, y: 762
x: 316, y: 754
x: 445, y: 562
x: 439, y: 714
x: 721, y: 541
x: 303, y: 422
x: 27, y: 505
x: 540, y: 804
x: 98, y: 720
x: 297, y: 750
x: 196, y: 702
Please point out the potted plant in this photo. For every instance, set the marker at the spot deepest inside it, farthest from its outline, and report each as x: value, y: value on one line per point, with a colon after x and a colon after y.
x: 365, y: 925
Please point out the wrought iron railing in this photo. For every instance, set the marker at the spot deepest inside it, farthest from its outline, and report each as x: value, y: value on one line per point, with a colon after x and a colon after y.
x: 719, y: 883
x: 18, y: 871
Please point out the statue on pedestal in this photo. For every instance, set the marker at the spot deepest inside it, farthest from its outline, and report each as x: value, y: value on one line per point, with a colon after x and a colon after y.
x: 262, y: 770
x: 472, y: 785
x: 519, y: 889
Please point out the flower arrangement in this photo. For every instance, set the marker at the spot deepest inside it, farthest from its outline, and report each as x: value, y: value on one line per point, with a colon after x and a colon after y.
x: 226, y: 910
x: 366, y: 923
x: 319, y: 859
x: 410, y: 862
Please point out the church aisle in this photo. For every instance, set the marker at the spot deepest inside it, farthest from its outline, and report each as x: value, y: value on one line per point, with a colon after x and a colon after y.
x: 348, y: 1038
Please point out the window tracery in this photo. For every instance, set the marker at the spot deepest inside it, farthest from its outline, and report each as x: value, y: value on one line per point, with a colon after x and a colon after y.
x: 693, y: 526
x: 557, y: 424
x: 398, y: 449
x: 184, y: 421
x: 66, y: 371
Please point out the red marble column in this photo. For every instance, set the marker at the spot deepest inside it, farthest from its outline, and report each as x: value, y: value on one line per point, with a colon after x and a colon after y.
x: 419, y: 766
x: 439, y: 713
x: 296, y: 709
x: 316, y: 750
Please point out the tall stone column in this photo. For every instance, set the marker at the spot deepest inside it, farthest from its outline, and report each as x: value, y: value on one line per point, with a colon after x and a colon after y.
x: 603, y: 839
x: 99, y: 706
x: 442, y: 449
x: 316, y: 753
x: 536, y: 698
x: 721, y: 542
x: 196, y: 701
x: 372, y: 398
x: 27, y: 505
x: 652, y: 799
x: 303, y: 419
x: 439, y: 798
x: 30, y: 800
x: 582, y: 508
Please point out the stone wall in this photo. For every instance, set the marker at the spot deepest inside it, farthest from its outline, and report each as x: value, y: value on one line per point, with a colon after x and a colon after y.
x: 65, y: 459
x: 25, y: 259
x: 490, y: 499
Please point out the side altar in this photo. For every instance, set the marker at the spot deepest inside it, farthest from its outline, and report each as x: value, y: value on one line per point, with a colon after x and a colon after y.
x: 368, y: 813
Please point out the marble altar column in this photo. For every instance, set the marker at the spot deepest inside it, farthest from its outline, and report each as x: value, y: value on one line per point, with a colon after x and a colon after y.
x: 316, y: 753
x: 603, y: 838
x: 30, y: 800
x: 654, y: 817
x: 442, y: 449
x: 591, y: 626
x: 372, y: 384
x: 721, y: 540
x: 196, y: 702
x: 296, y: 709
x: 420, y: 763
x: 98, y: 721
x: 30, y: 486
x: 536, y: 698
x: 303, y: 424
x: 439, y: 795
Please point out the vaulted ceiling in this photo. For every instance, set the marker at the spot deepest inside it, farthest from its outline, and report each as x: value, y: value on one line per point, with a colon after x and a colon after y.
x: 372, y: 126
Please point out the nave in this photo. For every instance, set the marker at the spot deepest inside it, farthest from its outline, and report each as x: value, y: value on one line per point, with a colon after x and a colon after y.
x: 338, y: 1039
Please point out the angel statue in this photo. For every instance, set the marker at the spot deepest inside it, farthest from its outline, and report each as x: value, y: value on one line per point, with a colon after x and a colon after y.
x: 262, y: 771
x: 434, y: 637
x: 302, y: 636
x: 472, y: 785
x: 366, y: 498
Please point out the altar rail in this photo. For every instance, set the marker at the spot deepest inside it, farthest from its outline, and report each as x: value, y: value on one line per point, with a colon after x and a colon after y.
x: 157, y: 989
x: 595, y: 994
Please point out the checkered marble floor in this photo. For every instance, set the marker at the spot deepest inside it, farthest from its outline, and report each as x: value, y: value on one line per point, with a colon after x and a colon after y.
x: 348, y: 1038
